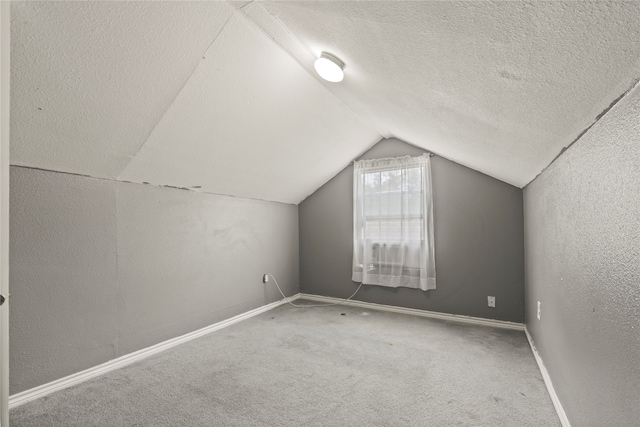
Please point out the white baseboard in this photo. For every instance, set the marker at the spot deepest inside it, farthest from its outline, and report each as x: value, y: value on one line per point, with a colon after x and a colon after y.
x: 547, y: 381
x: 416, y: 312
x: 74, y: 379
x: 77, y: 378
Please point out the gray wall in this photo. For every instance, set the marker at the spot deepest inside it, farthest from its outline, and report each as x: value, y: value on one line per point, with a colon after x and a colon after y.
x: 582, y: 233
x: 478, y: 241
x: 100, y: 269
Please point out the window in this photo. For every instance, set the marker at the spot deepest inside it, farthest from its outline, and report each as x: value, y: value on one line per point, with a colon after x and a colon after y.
x: 393, y: 223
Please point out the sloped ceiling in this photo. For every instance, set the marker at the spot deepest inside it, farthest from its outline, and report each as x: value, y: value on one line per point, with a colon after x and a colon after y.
x: 221, y: 96
x: 90, y: 80
x: 254, y: 124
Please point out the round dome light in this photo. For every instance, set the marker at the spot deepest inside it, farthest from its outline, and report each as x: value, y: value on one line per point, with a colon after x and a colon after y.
x: 329, y: 68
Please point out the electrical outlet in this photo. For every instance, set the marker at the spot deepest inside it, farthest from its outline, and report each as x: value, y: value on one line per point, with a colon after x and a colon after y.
x: 492, y: 302
x: 265, y: 278
x: 538, y: 310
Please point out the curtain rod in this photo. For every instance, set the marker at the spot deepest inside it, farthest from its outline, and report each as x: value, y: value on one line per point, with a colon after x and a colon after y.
x: 354, y: 161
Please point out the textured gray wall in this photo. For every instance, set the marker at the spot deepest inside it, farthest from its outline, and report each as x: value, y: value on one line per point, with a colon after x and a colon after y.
x: 582, y: 233
x: 100, y: 269
x: 64, y: 292
x: 478, y: 241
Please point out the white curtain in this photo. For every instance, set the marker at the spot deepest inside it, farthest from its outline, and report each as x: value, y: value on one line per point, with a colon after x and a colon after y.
x: 393, y: 223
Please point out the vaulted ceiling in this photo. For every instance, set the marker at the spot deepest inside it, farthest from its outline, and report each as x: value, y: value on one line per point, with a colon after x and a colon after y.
x: 221, y: 97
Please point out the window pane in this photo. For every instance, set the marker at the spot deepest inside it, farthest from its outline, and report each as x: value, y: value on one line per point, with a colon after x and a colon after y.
x: 371, y: 182
x: 391, y: 180
x: 392, y: 205
x: 413, y: 204
x: 393, y: 230
x: 413, y: 229
x: 413, y: 180
x: 371, y: 205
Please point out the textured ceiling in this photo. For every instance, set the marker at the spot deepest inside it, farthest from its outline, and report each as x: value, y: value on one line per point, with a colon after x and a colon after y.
x: 89, y: 80
x: 500, y: 87
x: 251, y: 122
x: 222, y: 95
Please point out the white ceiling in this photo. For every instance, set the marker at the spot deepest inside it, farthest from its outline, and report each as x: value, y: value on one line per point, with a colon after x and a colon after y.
x: 90, y: 80
x: 222, y: 95
x: 251, y: 122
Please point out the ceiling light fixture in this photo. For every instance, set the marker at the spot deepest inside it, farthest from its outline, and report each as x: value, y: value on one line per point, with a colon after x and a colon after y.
x: 329, y: 67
